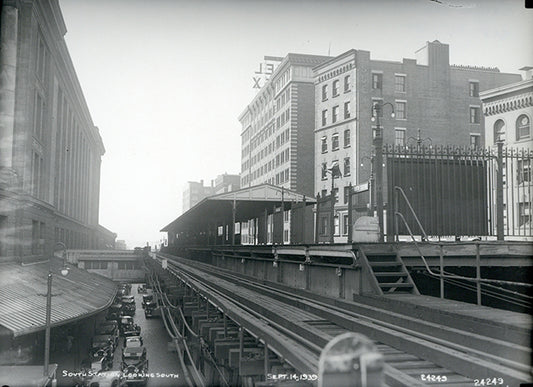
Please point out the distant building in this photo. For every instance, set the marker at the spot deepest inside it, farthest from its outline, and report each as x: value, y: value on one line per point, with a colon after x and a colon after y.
x: 434, y: 103
x: 226, y: 183
x: 194, y: 193
x: 50, y: 149
x: 508, y: 112
x: 120, y: 244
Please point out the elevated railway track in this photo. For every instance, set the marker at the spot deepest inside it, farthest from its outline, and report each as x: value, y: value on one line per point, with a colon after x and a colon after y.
x: 273, y: 327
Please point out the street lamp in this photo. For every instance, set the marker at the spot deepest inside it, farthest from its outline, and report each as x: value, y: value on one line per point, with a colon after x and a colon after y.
x: 64, y: 272
x: 334, y: 170
x: 371, y: 188
x: 378, y: 160
x: 419, y: 140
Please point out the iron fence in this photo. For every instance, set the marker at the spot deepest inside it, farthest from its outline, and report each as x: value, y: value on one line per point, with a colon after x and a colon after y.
x: 459, y: 191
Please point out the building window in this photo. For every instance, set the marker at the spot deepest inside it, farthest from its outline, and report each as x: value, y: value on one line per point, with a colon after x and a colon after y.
x: 335, y: 87
x: 324, y: 172
x: 499, y: 130
x: 401, y: 110
x: 324, y: 225
x: 347, y: 138
x: 337, y: 225
x: 474, y: 115
x: 399, y: 83
x: 346, y: 83
x: 38, y: 119
x: 323, y: 193
x: 345, y: 225
x: 474, y: 89
x: 346, y: 166
x: 98, y: 265
x: 523, y: 127
x: 324, y: 92
x: 475, y: 141
x: 324, y: 117
x: 324, y: 144
x: 335, y: 142
x: 347, y: 112
x: 377, y: 81
x: 524, y: 171
x: 346, y: 194
x: 127, y: 265
x: 399, y: 137
x: 375, y: 108
x: 524, y: 210
x: 335, y: 114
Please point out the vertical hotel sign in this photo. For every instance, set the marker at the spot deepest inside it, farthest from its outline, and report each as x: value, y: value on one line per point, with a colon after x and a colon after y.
x: 265, y: 70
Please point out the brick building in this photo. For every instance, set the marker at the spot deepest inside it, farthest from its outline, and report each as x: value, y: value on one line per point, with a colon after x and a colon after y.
x: 431, y: 99
x: 50, y: 151
x: 277, y: 131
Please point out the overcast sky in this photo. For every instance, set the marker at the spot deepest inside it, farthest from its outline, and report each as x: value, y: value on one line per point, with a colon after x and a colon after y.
x: 165, y: 80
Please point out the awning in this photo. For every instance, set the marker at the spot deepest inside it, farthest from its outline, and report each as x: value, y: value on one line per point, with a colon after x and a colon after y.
x: 250, y: 202
x: 23, y: 289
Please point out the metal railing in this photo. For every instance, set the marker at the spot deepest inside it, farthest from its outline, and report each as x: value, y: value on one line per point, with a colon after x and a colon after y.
x: 478, y: 280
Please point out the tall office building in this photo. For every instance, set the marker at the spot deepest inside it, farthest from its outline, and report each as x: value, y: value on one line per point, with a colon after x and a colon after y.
x: 194, y: 193
x: 278, y: 125
x: 434, y: 103
x: 50, y: 150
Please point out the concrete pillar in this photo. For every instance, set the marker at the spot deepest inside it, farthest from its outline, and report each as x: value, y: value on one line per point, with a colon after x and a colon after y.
x: 8, y: 76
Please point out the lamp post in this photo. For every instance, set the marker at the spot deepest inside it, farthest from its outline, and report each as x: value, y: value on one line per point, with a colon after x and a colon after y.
x: 499, y: 186
x: 371, y: 188
x: 419, y: 140
x: 64, y: 272
x: 378, y: 160
x: 333, y: 170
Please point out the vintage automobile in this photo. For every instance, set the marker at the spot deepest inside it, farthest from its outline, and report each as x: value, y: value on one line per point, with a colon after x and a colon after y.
x: 147, y: 298
x: 101, y: 359
x: 114, y: 312
x: 109, y: 329
x: 102, y: 341
x: 128, y: 328
x: 135, y: 365
x: 141, y: 289
x: 104, y: 379
x: 128, y: 305
x: 152, y: 309
x: 133, y: 341
x: 125, y: 287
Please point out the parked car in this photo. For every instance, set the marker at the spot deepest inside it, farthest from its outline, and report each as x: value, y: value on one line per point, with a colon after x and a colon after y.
x: 128, y: 328
x: 105, y: 379
x: 114, y: 312
x: 101, y: 359
x: 147, y: 298
x: 141, y: 289
x: 152, y: 309
x: 109, y: 330
x: 133, y: 341
x: 102, y: 341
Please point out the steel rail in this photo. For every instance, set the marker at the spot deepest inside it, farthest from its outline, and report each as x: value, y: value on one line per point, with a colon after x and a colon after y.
x: 277, y: 293
x: 394, y: 375
x: 429, y: 338
x: 304, y: 360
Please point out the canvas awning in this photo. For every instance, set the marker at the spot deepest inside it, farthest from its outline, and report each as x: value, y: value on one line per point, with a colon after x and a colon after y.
x: 23, y: 289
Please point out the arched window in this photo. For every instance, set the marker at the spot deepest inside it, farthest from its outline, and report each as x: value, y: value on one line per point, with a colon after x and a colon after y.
x: 499, y: 130
x: 523, y: 127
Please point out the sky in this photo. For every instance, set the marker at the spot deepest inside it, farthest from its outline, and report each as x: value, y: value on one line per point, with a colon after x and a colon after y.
x: 166, y: 80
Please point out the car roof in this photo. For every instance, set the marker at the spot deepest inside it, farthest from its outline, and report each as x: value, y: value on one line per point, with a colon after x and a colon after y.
x: 133, y: 349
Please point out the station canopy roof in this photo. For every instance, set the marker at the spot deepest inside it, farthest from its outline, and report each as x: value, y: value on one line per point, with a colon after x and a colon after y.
x: 249, y: 202
x: 23, y: 289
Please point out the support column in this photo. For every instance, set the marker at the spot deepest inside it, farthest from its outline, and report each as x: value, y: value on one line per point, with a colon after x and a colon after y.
x: 499, y: 193
x: 8, y: 76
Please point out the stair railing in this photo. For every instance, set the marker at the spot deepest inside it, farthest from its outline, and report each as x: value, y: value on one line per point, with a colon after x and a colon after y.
x: 478, y: 280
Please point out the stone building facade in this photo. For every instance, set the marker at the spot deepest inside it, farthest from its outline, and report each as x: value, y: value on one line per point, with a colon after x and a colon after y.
x: 434, y: 103
x: 508, y: 112
x: 50, y: 150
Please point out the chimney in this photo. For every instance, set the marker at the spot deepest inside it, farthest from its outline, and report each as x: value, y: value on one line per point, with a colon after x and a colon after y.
x: 528, y: 72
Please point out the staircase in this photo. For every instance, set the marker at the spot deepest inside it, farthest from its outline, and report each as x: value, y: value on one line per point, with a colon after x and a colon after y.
x: 388, y: 273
